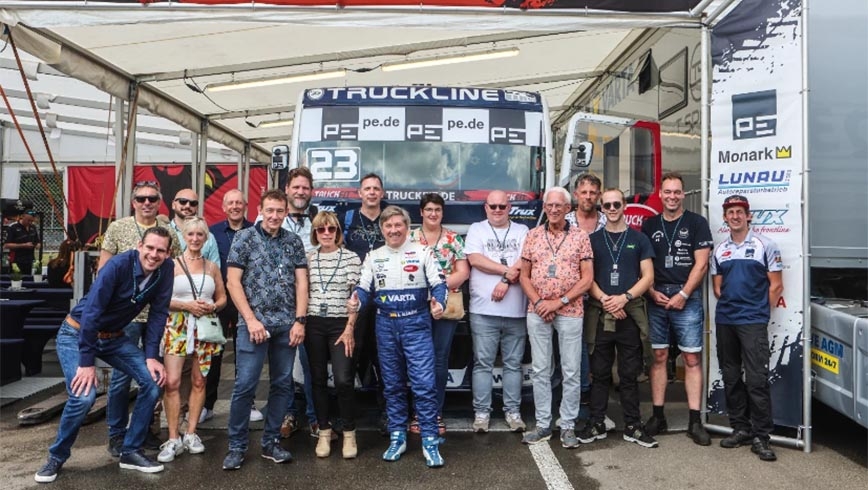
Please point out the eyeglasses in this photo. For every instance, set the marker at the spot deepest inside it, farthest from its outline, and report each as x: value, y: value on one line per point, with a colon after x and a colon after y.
x: 147, y: 183
x: 323, y: 229
x: 497, y: 206
x: 433, y: 210
x: 612, y: 205
x: 150, y: 199
x: 184, y: 201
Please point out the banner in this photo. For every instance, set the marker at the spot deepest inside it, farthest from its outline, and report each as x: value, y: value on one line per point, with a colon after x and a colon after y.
x: 756, y: 151
x: 90, y: 191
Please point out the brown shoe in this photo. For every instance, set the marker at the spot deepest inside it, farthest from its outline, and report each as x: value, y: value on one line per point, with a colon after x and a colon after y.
x: 288, y: 427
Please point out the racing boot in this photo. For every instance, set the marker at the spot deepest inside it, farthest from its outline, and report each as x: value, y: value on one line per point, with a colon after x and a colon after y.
x: 397, y: 445
x: 431, y: 451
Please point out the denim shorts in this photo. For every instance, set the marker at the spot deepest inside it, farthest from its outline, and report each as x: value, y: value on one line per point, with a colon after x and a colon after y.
x: 686, y: 324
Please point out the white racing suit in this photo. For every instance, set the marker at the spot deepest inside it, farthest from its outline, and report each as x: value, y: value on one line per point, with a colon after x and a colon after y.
x: 398, y: 282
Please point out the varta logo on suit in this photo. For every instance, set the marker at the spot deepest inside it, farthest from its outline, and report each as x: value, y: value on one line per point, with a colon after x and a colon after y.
x: 397, y: 297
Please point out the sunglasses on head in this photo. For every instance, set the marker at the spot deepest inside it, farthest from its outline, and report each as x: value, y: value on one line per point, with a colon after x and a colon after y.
x: 150, y: 199
x: 612, y: 205
x: 323, y: 229
x: 497, y: 206
x: 147, y: 183
x: 184, y: 201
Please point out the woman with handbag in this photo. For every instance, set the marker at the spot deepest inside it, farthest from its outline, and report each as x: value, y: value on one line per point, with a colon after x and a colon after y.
x: 334, y: 272
x: 448, y: 248
x: 197, y: 295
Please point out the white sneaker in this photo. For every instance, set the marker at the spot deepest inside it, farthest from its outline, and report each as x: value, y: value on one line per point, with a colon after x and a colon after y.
x: 206, y: 415
x: 609, y: 423
x: 480, y: 422
x: 516, y: 424
x: 255, y: 414
x: 170, y: 449
x: 193, y: 444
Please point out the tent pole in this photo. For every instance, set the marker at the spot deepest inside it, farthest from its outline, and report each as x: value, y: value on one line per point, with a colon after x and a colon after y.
x: 202, y: 166
x: 704, y: 82
x: 806, y: 243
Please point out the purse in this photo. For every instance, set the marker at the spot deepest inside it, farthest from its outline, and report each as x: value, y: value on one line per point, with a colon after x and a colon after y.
x: 454, y: 306
x: 208, y: 327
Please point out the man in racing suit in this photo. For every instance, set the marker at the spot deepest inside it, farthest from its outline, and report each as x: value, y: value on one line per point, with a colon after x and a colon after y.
x: 397, y: 279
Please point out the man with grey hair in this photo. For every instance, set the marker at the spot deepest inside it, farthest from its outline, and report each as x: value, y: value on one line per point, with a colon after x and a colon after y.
x: 556, y: 272
x: 398, y: 278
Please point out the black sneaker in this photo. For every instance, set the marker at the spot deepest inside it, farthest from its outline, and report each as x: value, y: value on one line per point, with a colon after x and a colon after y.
x: 115, y: 444
x: 592, y: 432
x: 656, y: 425
x: 699, y: 435
x: 761, y: 448
x: 635, y: 433
x: 736, y: 439
x: 137, y: 460
x: 233, y: 460
x: 48, y: 472
x: 274, y: 452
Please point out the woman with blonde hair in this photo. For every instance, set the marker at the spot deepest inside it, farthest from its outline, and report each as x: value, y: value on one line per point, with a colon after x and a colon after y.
x: 198, y: 290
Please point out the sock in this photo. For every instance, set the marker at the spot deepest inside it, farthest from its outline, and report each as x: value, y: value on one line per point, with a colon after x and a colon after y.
x: 694, y: 417
x: 658, y: 411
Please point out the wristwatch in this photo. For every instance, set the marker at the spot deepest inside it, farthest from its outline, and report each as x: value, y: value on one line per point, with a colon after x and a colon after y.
x: 628, y: 296
x: 301, y: 319
x: 565, y: 300
x: 504, y: 280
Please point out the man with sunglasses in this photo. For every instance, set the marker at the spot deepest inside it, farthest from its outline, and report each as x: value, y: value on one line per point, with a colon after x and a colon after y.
x: 186, y: 205
x: 556, y: 272
x: 682, y: 242
x: 616, y: 319
x: 122, y: 235
x: 498, y: 308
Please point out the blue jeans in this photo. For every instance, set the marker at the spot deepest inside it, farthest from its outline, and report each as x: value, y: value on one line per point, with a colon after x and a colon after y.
x: 124, y: 356
x: 308, y: 389
x: 570, y: 342
x: 249, y: 358
x: 442, y: 332
x: 687, y: 324
x: 118, y: 408
x: 489, y: 332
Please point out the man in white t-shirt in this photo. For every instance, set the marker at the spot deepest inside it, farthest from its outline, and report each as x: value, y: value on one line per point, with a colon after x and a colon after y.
x: 498, y: 308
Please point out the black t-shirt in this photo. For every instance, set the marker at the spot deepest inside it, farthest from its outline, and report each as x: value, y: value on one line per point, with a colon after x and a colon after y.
x: 18, y: 234
x: 628, y: 249
x: 361, y: 234
x: 685, y: 235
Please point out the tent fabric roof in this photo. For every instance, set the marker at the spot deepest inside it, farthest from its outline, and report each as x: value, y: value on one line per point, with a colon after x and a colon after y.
x: 168, y: 48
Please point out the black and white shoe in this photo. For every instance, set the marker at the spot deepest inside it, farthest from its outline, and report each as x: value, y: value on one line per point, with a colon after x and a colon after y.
x: 48, y: 472
x: 635, y: 433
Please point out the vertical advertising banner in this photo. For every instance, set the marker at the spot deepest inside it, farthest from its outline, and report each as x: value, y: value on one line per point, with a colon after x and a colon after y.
x: 756, y: 152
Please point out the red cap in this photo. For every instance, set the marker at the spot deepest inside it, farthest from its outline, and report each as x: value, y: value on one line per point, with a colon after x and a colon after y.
x: 736, y: 200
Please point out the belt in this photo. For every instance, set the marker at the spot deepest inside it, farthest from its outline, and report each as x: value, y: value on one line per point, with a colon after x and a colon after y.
x: 100, y: 335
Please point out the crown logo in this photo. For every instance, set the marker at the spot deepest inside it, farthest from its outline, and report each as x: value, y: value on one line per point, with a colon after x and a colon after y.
x: 784, y: 151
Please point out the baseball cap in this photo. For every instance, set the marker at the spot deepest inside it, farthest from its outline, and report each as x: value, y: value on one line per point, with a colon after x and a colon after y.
x: 31, y: 212
x: 736, y: 200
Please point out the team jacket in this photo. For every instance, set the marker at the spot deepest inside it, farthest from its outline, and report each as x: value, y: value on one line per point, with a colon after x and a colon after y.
x: 398, y: 280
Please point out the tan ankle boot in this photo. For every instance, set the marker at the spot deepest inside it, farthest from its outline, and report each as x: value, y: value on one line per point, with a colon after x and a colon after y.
x: 350, y: 450
x: 324, y: 443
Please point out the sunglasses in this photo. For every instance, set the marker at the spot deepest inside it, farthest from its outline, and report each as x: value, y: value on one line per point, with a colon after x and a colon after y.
x: 323, y: 229
x: 612, y: 205
x: 497, y: 206
x: 147, y: 183
x: 184, y: 201
x: 150, y: 199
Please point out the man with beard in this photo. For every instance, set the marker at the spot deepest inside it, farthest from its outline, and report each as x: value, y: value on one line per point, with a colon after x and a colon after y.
x: 185, y: 205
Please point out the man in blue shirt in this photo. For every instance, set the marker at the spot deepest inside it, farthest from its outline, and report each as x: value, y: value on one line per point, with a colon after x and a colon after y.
x: 94, y: 328
x: 747, y: 279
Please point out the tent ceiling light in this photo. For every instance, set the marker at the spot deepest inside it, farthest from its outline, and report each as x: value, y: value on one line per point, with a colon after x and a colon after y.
x: 267, y: 82
x: 275, y: 123
x: 448, y: 60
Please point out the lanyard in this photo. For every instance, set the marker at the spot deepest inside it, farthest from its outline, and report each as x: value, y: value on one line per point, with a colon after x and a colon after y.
x: 139, y: 295
x: 554, y: 250
x: 502, y: 245
x: 674, y: 231
x: 619, y: 246
x: 324, y: 286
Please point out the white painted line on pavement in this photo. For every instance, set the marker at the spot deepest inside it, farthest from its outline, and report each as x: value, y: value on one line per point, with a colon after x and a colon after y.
x: 549, y: 467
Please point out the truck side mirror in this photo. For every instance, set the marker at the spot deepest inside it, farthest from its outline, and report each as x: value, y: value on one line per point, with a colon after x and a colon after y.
x: 280, y: 157
x: 582, y: 154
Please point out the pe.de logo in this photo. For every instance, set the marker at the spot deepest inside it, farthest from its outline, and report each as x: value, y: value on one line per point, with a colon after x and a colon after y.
x: 754, y: 115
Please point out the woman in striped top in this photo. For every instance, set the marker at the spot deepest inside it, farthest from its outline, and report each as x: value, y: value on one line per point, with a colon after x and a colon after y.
x: 334, y: 272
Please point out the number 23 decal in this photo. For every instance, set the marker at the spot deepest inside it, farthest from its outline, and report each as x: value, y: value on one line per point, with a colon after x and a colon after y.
x: 334, y: 163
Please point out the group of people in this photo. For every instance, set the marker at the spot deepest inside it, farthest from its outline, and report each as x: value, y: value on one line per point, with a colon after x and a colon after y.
x: 339, y: 288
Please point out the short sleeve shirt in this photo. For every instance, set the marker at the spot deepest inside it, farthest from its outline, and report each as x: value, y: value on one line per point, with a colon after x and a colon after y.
x: 626, y: 249
x: 269, y: 264
x: 677, y: 239
x: 556, y: 263
x: 447, y: 250
x: 362, y: 234
x: 17, y: 233
x: 744, y: 290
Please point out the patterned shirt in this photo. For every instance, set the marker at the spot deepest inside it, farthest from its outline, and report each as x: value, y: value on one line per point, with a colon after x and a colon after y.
x: 333, y: 276
x: 556, y: 263
x: 125, y: 234
x: 448, y: 249
x: 573, y: 221
x: 269, y: 264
